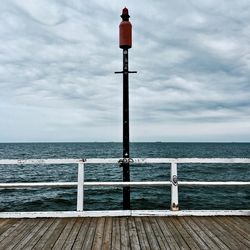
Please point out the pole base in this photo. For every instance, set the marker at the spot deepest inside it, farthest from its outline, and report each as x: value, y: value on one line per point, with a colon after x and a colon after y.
x: 175, y: 207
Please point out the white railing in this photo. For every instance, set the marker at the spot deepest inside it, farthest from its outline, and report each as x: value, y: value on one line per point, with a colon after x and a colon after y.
x: 80, y: 184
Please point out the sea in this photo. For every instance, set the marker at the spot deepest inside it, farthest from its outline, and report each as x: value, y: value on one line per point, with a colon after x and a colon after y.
x: 110, y: 198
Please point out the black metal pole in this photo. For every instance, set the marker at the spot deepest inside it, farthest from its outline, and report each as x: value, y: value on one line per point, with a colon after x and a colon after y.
x: 125, y: 43
x: 126, y: 174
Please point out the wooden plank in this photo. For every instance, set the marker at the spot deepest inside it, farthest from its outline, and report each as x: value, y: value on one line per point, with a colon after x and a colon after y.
x: 184, y: 233
x: 97, y: 243
x: 241, y: 230
x: 116, y: 234
x: 219, y: 234
x: 11, y: 227
x: 125, y: 243
x: 242, y: 226
x: 82, y: 233
x: 30, y: 234
x: 64, y: 234
x: 193, y: 234
x: 150, y: 233
x: 211, y: 231
x: 244, y: 219
x: 226, y: 236
x: 167, y: 234
x: 163, y: 243
x: 107, y: 234
x: 141, y: 233
x: 7, y: 223
x: 30, y: 244
x: 87, y: 244
x: 56, y: 233
x: 178, y: 237
x: 201, y: 233
x: 18, y: 237
x: 230, y: 232
x: 12, y: 239
x: 48, y: 233
x: 4, y: 221
x: 133, y: 236
x: 68, y: 244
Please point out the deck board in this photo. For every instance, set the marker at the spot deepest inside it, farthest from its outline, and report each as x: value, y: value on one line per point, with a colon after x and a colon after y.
x: 185, y: 234
x: 82, y: 233
x: 166, y: 232
x: 133, y: 236
x: 89, y: 238
x: 202, y: 233
x: 175, y: 233
x: 64, y: 234
x: 107, y: 234
x: 141, y: 233
x: 233, y: 234
x: 126, y: 233
x: 158, y: 234
x: 116, y: 234
x: 213, y: 233
x: 125, y: 243
x: 150, y: 233
x: 42, y: 231
x: 30, y: 234
x: 98, y: 238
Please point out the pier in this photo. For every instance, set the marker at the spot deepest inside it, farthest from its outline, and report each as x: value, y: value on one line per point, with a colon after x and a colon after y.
x: 220, y: 232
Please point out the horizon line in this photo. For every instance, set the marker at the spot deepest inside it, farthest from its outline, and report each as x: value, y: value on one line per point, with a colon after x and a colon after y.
x: 122, y: 142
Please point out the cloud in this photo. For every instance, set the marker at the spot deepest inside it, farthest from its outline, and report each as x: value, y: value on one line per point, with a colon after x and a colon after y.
x: 57, y: 60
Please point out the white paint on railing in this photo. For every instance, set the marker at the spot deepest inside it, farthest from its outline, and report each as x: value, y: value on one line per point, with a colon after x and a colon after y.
x: 37, y: 184
x: 214, y: 183
x: 126, y: 184
x: 174, y: 187
x: 80, y: 184
x: 116, y: 160
x: 38, y: 161
x: 119, y: 213
x: 86, y: 184
x: 121, y: 184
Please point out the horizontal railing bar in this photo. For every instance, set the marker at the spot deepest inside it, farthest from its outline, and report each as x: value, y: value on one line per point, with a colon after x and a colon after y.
x: 190, y: 160
x: 214, y: 183
x: 87, y: 184
x: 115, y: 213
x: 116, y: 161
x: 212, y: 160
x: 37, y: 184
x: 122, y: 184
x: 135, y: 183
x: 38, y: 161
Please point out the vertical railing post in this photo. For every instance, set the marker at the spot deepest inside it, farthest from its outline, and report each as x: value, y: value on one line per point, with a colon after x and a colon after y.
x: 174, y: 187
x: 80, y: 184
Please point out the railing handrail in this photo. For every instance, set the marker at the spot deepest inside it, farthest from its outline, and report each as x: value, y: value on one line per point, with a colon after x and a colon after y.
x: 173, y: 182
x: 117, y: 160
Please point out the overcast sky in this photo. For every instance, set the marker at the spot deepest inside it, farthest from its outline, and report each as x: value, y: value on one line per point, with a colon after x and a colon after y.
x: 57, y: 63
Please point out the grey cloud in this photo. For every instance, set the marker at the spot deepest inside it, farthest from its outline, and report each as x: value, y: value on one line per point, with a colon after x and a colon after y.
x: 57, y: 60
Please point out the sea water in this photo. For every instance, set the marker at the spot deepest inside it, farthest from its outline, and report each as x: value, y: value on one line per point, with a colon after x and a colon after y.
x: 107, y: 198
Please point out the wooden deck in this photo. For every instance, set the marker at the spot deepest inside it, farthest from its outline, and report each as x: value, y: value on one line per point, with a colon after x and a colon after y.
x: 126, y: 233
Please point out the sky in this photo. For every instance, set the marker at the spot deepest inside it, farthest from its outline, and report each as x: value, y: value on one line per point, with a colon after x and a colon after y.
x: 58, y: 57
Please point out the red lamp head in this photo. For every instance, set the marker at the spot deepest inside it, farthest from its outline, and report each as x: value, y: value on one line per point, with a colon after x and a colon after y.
x: 125, y: 31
